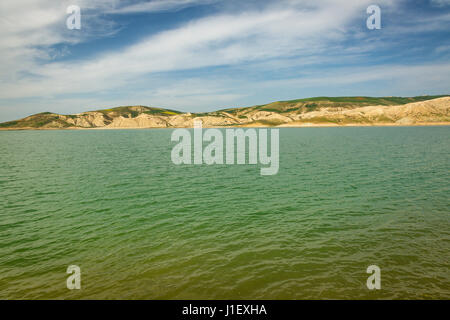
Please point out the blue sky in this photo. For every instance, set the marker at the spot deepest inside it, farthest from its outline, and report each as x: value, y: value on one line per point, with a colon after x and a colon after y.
x: 204, y: 55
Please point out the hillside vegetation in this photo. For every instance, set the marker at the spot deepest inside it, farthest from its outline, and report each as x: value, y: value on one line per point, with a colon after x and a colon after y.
x: 311, y: 111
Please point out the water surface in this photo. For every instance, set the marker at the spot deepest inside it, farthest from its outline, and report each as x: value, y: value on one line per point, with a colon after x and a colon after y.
x: 112, y: 202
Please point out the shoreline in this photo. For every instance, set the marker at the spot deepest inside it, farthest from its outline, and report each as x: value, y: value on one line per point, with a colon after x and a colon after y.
x: 286, y: 125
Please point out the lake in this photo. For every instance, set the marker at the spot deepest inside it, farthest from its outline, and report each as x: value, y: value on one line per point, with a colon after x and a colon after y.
x: 140, y: 227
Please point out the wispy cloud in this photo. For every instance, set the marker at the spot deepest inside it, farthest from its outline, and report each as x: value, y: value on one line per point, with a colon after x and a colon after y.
x: 283, y: 46
x: 30, y: 29
x: 158, y: 6
x: 440, y: 3
x: 277, y: 31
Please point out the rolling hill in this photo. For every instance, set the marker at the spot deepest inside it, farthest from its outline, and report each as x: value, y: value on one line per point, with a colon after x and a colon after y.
x: 319, y: 111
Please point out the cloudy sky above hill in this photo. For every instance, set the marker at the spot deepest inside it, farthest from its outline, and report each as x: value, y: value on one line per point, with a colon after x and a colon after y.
x: 202, y: 55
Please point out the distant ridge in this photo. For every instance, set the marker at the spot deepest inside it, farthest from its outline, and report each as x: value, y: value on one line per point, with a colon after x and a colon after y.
x: 318, y: 111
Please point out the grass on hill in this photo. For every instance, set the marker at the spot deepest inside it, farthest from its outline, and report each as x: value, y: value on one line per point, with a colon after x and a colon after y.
x: 36, y: 121
x: 298, y: 106
x: 134, y: 111
x: 311, y: 104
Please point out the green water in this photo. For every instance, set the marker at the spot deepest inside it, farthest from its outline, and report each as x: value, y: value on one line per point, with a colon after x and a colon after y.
x: 139, y: 227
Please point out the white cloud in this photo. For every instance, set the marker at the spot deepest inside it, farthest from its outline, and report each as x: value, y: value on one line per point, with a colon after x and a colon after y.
x: 440, y: 3
x: 281, y: 34
x: 278, y: 31
x: 429, y: 75
x: 29, y: 29
x: 158, y: 6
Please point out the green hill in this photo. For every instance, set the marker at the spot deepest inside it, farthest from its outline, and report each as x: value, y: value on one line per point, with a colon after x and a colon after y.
x: 272, y: 114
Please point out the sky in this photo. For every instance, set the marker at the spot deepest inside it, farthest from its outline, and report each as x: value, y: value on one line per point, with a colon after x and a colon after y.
x: 205, y: 55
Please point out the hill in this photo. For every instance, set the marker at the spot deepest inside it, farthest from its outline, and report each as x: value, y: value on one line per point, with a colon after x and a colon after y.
x: 302, y: 112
